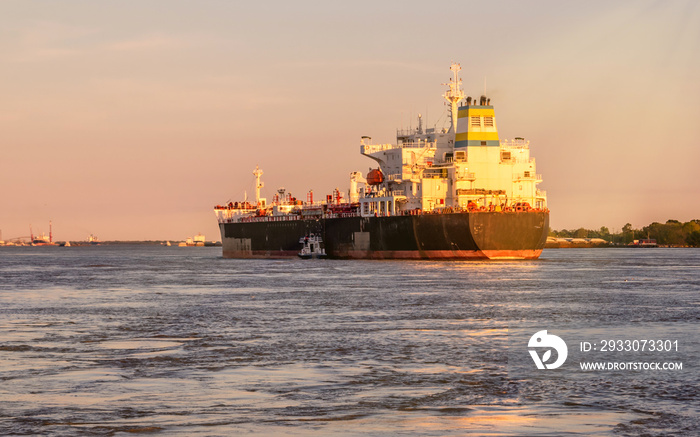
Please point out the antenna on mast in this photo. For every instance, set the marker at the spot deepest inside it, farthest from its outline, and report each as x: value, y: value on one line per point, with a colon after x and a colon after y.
x: 455, y: 93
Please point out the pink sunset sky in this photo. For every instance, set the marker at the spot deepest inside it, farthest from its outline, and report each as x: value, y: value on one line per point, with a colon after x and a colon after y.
x: 130, y: 120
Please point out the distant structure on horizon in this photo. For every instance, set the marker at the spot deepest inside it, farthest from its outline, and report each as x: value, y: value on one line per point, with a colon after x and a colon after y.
x: 197, y: 240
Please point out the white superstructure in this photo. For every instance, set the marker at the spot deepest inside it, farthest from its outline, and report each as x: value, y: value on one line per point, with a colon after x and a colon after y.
x: 463, y: 167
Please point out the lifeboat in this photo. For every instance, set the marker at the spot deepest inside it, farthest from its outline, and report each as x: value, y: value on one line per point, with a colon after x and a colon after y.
x: 375, y: 177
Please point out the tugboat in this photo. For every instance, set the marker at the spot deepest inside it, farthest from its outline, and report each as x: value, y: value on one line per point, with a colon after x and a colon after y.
x: 312, y: 247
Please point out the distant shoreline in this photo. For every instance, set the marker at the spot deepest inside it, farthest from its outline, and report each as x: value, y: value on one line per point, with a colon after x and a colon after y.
x: 598, y: 243
x: 174, y: 243
x: 616, y: 246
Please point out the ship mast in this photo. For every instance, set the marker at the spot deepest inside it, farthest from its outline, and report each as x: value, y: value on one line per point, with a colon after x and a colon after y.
x: 258, y: 185
x: 454, y: 94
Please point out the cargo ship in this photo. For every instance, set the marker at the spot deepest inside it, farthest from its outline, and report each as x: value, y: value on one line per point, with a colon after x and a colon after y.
x: 454, y: 193
x: 42, y: 239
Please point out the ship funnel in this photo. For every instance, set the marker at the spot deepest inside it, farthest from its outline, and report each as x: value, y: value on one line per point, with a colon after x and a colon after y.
x: 476, y: 127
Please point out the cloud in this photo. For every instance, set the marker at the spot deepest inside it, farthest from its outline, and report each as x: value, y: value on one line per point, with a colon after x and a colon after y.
x: 48, y: 41
x: 146, y: 43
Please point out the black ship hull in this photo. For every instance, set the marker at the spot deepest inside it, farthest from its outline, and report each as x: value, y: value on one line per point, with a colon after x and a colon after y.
x: 462, y: 235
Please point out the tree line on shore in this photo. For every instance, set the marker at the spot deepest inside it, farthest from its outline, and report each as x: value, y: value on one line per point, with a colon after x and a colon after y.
x: 671, y: 233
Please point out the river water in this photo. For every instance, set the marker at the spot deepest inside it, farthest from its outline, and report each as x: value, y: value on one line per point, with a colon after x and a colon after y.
x: 117, y: 340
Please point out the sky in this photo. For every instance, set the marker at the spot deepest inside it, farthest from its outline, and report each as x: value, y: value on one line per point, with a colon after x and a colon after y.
x: 130, y: 120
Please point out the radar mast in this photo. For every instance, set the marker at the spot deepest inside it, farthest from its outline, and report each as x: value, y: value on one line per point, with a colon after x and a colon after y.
x: 454, y: 94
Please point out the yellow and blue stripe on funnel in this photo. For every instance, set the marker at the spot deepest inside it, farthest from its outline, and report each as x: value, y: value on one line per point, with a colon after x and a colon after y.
x: 476, y: 126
